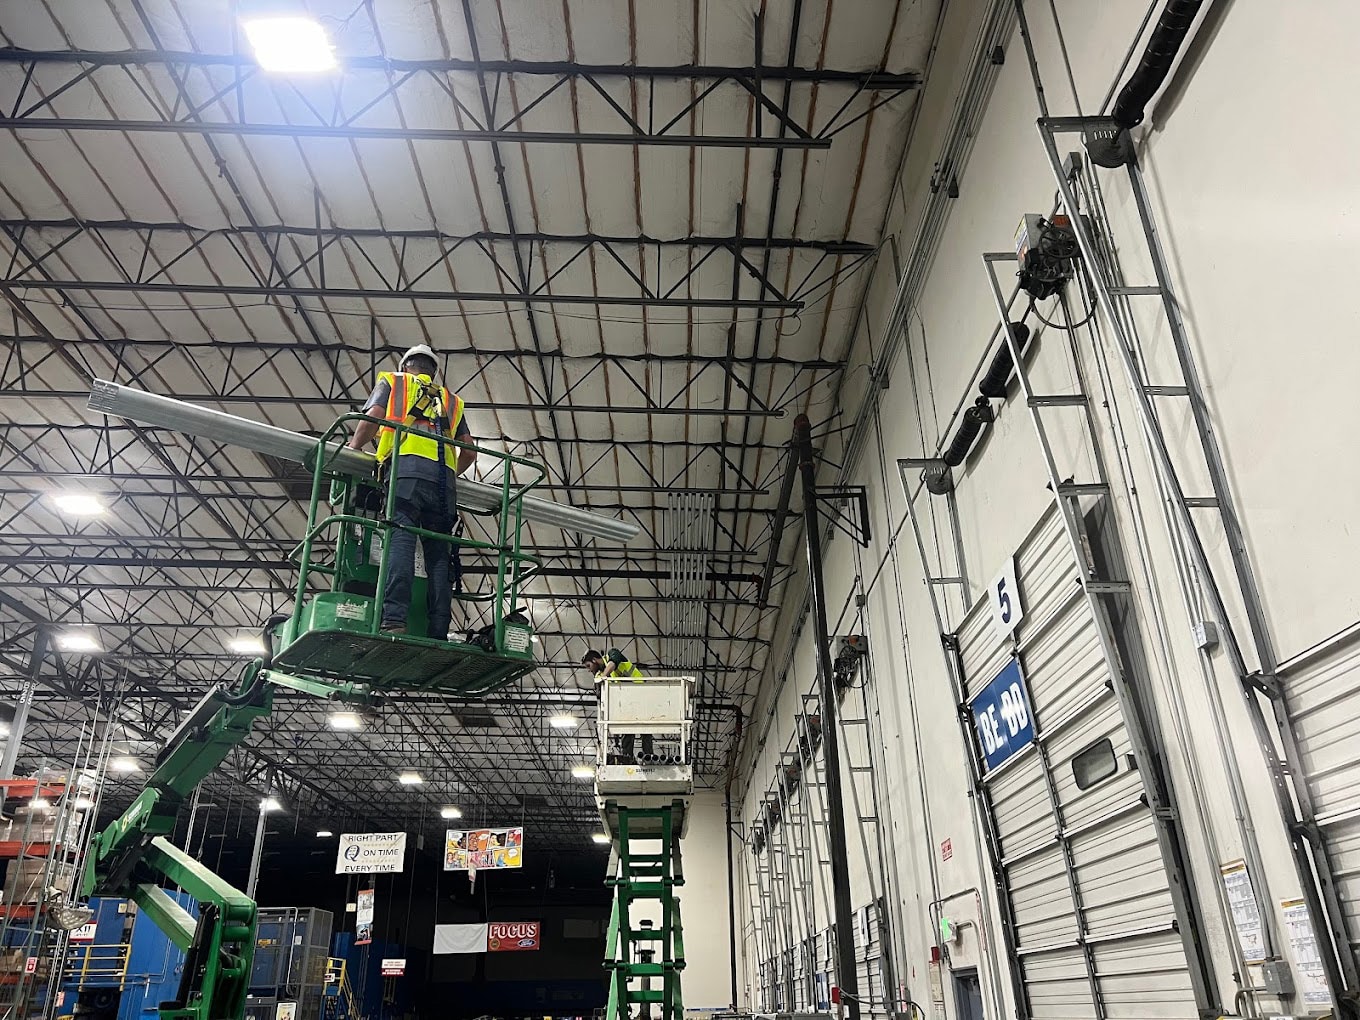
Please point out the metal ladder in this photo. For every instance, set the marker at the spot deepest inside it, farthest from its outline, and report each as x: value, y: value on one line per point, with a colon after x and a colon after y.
x: 1312, y: 858
x: 645, y: 962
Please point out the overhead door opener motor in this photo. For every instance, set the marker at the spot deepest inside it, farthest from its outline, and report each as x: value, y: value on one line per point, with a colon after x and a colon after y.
x: 1047, y: 251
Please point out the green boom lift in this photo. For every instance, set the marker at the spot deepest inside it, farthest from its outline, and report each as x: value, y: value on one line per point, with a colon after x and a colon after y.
x: 332, y: 647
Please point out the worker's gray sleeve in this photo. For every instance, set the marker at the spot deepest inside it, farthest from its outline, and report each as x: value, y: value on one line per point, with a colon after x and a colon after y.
x: 379, y: 396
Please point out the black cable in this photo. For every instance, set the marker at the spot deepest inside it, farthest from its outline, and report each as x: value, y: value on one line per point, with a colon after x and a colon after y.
x: 1076, y: 325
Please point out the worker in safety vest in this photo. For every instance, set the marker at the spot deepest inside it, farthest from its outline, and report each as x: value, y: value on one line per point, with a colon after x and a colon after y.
x: 426, y: 495
x: 615, y: 667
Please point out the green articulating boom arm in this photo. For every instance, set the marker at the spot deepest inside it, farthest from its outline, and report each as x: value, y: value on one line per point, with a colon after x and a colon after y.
x: 132, y: 857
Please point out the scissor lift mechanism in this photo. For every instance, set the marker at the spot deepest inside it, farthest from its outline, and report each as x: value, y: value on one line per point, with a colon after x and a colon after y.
x: 644, y: 809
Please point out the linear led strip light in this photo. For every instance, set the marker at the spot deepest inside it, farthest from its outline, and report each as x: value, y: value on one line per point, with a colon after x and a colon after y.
x: 179, y: 416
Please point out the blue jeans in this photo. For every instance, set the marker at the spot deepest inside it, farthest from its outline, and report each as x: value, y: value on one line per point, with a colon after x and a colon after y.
x: 420, y: 504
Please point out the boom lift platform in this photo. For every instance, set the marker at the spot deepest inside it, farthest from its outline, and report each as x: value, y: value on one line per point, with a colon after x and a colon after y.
x: 644, y: 807
x: 331, y: 646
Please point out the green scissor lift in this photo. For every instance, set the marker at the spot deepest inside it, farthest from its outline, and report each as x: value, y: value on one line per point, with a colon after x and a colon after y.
x: 645, y: 868
x: 331, y: 646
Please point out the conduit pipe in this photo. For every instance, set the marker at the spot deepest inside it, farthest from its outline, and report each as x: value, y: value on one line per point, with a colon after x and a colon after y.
x: 179, y: 416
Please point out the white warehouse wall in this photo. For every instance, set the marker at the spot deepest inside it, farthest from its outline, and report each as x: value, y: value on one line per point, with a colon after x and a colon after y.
x: 1253, y: 181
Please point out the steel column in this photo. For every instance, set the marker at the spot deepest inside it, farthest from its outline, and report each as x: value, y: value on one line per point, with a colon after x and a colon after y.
x: 846, y: 976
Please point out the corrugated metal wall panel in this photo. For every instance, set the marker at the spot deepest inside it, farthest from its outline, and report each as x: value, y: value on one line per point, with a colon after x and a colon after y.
x: 1095, y: 922
x: 1322, y: 691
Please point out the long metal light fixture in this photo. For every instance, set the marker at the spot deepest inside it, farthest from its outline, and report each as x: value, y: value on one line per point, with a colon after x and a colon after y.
x: 179, y: 416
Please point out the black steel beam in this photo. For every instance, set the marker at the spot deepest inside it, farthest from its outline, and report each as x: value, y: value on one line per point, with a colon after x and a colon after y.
x: 378, y: 293
x: 847, y: 976
x: 866, y: 80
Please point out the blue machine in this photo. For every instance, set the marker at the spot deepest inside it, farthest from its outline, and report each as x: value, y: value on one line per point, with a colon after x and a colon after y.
x: 114, y: 974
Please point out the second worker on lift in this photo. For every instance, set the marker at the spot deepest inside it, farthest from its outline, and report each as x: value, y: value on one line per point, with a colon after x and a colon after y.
x: 426, y: 495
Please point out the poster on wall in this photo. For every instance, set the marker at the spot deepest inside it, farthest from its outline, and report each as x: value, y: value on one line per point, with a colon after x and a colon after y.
x: 483, y: 849
x: 363, y: 917
x: 1298, y: 926
x: 1246, y: 915
x: 371, y: 853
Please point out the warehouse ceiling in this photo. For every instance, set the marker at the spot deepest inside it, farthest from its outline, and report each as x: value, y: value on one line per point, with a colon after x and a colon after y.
x: 639, y: 236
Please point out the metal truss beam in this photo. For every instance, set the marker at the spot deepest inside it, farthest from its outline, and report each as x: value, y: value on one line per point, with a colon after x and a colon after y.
x: 209, y: 87
x: 119, y: 347
x: 344, y: 404
x: 325, y: 236
x: 873, y: 80
x: 320, y: 261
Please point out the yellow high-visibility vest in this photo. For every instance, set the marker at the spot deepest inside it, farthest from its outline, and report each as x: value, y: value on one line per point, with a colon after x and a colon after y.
x: 624, y: 670
x: 419, y: 400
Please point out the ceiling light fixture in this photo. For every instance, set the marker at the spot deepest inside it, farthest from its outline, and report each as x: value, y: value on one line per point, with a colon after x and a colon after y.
x: 324, y: 834
x: 582, y: 772
x: 345, y: 720
x: 290, y: 45
x: 78, y: 641
x: 450, y: 811
x: 246, y: 646
x: 270, y: 804
x: 124, y: 765
x: 600, y: 837
x: 564, y: 722
x: 79, y: 504
x: 410, y: 779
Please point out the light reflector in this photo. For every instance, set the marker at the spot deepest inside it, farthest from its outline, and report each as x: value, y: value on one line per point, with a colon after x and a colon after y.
x: 600, y: 837
x: 582, y: 772
x: 410, y: 779
x: 449, y: 811
x: 564, y: 722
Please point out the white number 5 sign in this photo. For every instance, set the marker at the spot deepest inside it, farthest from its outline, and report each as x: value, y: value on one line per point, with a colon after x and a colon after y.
x: 1004, y: 596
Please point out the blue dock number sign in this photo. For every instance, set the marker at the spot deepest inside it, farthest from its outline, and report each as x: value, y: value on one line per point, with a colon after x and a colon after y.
x: 1002, y: 717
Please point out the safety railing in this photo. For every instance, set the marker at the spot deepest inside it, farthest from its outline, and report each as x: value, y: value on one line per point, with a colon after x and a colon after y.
x: 656, y: 712
x: 96, y: 964
x: 513, y: 566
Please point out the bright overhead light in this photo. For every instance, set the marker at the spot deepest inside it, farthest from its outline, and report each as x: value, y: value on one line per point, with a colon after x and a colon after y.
x: 582, y: 772
x: 247, y: 646
x: 600, y: 837
x: 564, y: 722
x: 450, y: 812
x: 270, y: 804
x: 324, y: 834
x: 124, y: 765
x: 290, y: 44
x: 345, y: 721
x: 78, y: 641
x: 533, y: 638
x: 79, y: 504
x: 410, y: 779
x: 84, y: 803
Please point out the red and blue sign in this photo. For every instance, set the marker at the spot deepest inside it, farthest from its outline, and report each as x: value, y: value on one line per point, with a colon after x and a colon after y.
x: 1002, y: 717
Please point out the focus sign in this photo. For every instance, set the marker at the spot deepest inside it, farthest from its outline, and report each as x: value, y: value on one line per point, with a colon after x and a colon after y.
x: 393, y: 968
x: 371, y: 853
x: 85, y: 933
x: 512, y: 936
x: 1002, y: 717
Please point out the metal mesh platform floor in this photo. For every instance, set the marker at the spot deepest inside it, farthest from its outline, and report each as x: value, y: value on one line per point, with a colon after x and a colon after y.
x: 395, y: 662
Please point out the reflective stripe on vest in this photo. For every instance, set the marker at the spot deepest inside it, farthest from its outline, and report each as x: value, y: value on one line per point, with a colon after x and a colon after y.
x: 403, y: 392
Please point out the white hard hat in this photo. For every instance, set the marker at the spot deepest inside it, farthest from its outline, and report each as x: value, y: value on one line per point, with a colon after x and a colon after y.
x: 419, y: 350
